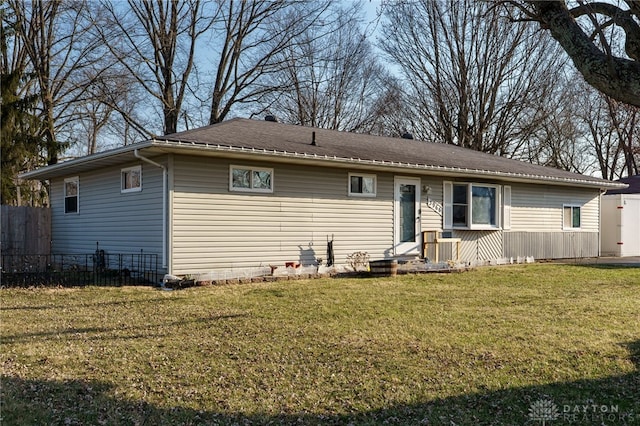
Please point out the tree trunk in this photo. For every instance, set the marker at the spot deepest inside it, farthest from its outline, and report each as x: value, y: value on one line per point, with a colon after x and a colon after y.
x: 618, y: 78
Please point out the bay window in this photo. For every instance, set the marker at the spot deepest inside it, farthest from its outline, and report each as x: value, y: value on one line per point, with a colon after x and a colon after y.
x: 472, y: 205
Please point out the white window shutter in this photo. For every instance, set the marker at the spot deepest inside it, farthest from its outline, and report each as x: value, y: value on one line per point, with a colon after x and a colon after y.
x: 447, y: 198
x: 506, y: 207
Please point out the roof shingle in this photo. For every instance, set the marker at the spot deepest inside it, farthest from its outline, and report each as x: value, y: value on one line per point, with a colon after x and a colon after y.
x: 245, y: 133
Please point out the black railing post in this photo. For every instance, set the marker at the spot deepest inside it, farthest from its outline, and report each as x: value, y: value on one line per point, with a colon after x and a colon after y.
x: 69, y: 269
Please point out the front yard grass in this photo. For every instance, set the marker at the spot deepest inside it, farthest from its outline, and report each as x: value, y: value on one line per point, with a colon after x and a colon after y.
x: 488, y: 346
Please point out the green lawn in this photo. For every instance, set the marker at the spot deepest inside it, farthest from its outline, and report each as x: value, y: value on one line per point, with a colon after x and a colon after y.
x: 481, y: 347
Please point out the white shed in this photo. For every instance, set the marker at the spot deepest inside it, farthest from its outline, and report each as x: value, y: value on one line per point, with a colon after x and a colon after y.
x: 620, y: 220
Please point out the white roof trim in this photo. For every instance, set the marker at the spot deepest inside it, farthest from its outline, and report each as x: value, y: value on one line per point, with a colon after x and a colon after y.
x: 44, y: 172
x: 391, y: 164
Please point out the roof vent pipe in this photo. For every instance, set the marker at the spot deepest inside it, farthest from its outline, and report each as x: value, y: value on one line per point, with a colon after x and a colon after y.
x: 271, y: 118
x: 313, y: 138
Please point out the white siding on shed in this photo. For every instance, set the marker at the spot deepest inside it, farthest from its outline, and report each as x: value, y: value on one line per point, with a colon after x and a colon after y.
x: 620, y: 225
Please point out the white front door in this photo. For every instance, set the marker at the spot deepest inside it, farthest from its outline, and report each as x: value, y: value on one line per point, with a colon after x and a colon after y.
x: 406, y: 216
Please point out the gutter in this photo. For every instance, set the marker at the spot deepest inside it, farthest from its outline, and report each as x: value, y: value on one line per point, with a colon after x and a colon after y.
x: 164, y: 205
x: 69, y: 164
x: 306, y: 158
x: 384, y: 164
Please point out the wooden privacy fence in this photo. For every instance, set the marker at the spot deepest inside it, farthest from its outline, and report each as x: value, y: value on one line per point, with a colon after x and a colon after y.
x: 25, y: 230
x: 26, y: 258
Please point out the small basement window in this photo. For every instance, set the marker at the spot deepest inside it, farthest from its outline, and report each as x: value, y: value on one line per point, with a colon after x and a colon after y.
x: 571, y: 217
x: 131, y: 179
x: 71, y: 194
x: 361, y: 185
x: 250, y: 179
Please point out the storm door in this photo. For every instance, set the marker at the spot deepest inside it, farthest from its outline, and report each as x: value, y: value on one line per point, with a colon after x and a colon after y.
x: 407, y: 216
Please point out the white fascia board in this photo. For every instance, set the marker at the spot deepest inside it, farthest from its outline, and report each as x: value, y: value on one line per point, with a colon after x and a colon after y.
x: 69, y: 166
x: 388, y: 166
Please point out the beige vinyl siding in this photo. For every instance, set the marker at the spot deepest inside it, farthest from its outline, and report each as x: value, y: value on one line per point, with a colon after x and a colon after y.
x: 120, y: 223
x: 538, y: 208
x: 537, y: 227
x: 536, y: 214
x: 215, y: 228
x: 430, y: 219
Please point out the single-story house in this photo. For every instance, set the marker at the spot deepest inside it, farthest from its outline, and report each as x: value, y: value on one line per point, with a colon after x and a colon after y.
x: 620, y: 219
x: 247, y: 193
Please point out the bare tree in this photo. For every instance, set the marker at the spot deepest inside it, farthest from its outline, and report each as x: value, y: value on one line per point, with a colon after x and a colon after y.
x: 473, y: 79
x: 625, y: 120
x: 160, y: 44
x: 154, y: 43
x: 96, y: 116
x: 560, y: 139
x: 55, y: 37
x: 589, y: 33
x: 588, y: 133
x: 594, y: 115
x: 331, y: 77
x: 252, y: 36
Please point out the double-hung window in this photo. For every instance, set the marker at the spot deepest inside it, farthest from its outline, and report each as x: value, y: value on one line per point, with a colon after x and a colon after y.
x: 472, y: 205
x: 71, y: 194
x: 571, y: 216
x: 131, y: 179
x: 460, y: 206
x: 362, y: 185
x: 250, y: 179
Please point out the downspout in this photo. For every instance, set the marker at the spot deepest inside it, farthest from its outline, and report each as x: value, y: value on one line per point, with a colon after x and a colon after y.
x: 601, y: 193
x: 164, y: 204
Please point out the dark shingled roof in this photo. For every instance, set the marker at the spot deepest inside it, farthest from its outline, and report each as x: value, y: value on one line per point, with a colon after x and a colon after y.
x: 257, y: 139
x: 634, y: 186
x: 245, y: 133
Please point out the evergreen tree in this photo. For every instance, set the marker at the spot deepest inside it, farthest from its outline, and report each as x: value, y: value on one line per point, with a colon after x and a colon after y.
x: 19, y: 127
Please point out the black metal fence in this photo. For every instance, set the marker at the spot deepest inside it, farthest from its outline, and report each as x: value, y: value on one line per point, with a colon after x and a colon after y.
x: 99, y: 268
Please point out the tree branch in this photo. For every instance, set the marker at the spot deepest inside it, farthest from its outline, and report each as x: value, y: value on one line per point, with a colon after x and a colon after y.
x: 616, y: 77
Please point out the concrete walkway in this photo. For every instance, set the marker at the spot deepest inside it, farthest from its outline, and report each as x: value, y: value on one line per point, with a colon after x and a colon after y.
x: 633, y: 261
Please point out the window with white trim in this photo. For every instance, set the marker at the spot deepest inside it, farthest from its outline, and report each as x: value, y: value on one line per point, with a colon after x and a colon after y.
x: 250, y: 179
x: 571, y: 216
x: 131, y: 179
x: 71, y: 194
x: 472, y: 206
x: 362, y: 185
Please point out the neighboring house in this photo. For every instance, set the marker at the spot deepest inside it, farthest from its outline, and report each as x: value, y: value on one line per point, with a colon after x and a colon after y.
x: 620, y: 219
x: 247, y: 193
